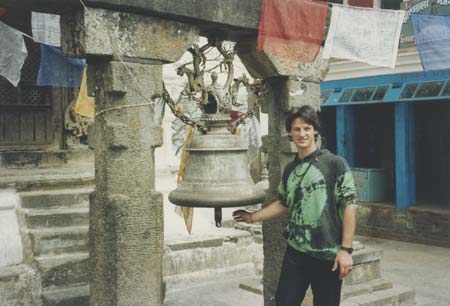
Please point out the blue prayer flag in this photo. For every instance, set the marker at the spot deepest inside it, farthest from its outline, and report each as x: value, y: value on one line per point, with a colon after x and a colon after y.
x: 57, y: 70
x: 432, y: 34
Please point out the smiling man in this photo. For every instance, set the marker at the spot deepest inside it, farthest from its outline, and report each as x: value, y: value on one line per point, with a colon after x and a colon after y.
x: 318, y: 193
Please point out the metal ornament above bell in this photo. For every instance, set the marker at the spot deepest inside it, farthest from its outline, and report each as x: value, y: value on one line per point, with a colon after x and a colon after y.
x: 217, y: 171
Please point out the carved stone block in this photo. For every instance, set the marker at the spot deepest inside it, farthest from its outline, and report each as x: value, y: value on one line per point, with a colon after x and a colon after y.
x: 299, y: 93
x: 100, y: 32
x: 264, y: 65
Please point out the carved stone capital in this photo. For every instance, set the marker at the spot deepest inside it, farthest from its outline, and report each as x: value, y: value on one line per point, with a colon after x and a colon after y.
x: 99, y: 32
x: 298, y: 93
x: 264, y: 65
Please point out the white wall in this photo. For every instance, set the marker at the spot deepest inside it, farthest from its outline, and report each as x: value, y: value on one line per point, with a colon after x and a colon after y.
x: 11, y: 251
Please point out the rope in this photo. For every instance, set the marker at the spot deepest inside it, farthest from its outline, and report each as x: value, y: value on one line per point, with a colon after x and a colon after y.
x: 121, y: 107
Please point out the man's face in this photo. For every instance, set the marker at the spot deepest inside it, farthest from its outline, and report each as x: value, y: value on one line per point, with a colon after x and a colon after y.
x: 302, y: 134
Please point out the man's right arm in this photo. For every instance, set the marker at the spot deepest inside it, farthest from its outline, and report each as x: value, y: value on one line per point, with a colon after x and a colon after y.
x: 274, y: 210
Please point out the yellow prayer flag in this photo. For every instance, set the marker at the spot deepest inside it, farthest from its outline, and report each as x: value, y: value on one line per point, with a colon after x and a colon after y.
x: 186, y: 212
x: 85, y: 105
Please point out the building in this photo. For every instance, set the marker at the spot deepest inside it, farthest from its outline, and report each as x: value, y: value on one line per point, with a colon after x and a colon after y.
x: 393, y: 128
x: 33, y: 118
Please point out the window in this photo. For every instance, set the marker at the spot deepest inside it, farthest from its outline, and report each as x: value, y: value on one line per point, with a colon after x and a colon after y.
x: 346, y: 95
x: 26, y: 93
x: 361, y: 3
x: 383, y: 4
x: 25, y: 110
x: 446, y: 91
x: 363, y: 94
x: 324, y: 95
x: 408, y: 91
x: 429, y: 89
x: 391, y: 4
x: 380, y: 93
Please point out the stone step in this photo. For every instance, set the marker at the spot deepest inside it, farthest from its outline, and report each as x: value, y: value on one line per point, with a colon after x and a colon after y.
x: 367, y: 254
x: 59, y: 240
x: 396, y: 296
x: 216, y: 252
x: 254, y: 284
x: 45, y: 159
x: 77, y: 295
x: 63, y: 270
x: 48, y: 179
x: 366, y: 266
x: 364, y: 288
x: 56, y: 217
x: 19, y: 285
x: 181, y: 282
x: 55, y: 198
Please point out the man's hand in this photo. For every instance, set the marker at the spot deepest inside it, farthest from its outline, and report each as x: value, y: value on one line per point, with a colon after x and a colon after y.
x: 243, y: 216
x: 274, y: 210
x: 344, y: 261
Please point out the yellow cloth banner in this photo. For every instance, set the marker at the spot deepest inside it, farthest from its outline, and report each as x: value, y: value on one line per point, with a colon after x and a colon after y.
x: 85, y: 106
x: 186, y: 212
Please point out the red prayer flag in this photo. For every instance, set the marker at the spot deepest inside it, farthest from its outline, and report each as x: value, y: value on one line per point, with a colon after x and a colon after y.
x: 292, y: 29
x: 3, y: 10
x: 360, y: 3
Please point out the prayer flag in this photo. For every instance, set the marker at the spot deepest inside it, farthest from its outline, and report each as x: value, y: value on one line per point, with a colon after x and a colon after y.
x: 292, y: 29
x: 57, y: 70
x: 13, y: 53
x: 85, y: 105
x: 364, y: 35
x: 432, y: 34
x: 3, y: 10
x: 46, y: 29
x: 186, y: 212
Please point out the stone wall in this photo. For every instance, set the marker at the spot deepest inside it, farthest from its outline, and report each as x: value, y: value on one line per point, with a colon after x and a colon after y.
x: 415, y: 224
x: 18, y: 283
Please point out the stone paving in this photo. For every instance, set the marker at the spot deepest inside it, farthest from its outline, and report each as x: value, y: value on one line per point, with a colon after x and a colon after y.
x: 424, y: 268
x: 225, y: 292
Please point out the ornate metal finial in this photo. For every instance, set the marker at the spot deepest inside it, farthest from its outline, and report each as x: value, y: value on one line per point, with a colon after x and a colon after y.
x: 214, y: 100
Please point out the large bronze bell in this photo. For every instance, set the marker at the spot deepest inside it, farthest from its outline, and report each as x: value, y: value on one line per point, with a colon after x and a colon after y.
x: 217, y: 171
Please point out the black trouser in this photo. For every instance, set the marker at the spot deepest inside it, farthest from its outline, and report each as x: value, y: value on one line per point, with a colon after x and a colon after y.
x: 298, y: 272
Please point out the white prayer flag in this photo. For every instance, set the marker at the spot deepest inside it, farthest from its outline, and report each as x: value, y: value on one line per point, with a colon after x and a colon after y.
x: 364, y: 35
x: 12, y: 53
x: 46, y: 29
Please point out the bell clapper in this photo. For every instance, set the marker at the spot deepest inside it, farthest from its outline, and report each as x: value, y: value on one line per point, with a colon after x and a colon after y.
x: 218, y: 216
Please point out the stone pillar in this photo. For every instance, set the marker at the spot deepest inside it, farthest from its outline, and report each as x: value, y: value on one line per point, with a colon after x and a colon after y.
x: 291, y: 85
x: 125, y: 53
x: 126, y: 217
